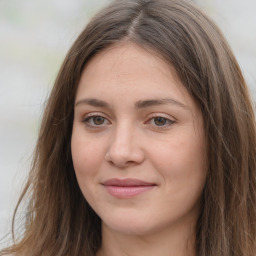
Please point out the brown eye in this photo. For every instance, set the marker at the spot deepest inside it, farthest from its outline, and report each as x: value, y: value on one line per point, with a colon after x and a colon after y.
x: 160, y: 121
x: 95, y: 121
x: 98, y: 120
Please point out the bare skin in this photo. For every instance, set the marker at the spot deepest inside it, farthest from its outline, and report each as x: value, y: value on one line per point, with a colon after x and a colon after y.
x: 136, y: 124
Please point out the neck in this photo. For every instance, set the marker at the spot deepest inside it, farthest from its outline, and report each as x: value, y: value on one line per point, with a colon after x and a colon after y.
x: 177, y: 243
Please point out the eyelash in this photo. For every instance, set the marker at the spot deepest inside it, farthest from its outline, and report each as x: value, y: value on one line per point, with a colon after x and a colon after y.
x: 90, y: 118
x: 167, y: 122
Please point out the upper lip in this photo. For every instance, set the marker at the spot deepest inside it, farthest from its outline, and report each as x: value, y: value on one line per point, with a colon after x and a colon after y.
x: 127, y: 183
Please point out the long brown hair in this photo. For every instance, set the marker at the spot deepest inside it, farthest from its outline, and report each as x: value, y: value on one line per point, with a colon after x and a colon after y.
x: 59, y: 221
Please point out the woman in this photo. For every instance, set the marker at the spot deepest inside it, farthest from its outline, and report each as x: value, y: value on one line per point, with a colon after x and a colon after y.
x: 147, y: 144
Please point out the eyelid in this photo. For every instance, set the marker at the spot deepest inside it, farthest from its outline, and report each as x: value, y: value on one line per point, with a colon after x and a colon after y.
x: 92, y: 114
x: 167, y: 116
x: 87, y: 117
x: 171, y: 120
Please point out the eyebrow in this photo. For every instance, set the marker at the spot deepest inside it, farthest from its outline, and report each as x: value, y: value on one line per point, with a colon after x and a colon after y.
x: 139, y: 104
x: 155, y: 102
x: 93, y: 102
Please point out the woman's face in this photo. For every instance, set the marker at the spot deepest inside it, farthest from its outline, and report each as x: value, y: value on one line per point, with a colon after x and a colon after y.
x: 138, y: 143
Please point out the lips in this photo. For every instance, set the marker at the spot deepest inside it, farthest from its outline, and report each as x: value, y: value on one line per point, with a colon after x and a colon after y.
x: 127, y: 188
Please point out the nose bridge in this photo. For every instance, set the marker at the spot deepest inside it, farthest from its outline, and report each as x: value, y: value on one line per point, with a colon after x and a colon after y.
x: 124, y: 147
x: 122, y: 139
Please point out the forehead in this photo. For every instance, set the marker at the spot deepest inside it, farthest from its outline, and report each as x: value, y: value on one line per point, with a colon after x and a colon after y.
x: 126, y: 61
x: 126, y: 69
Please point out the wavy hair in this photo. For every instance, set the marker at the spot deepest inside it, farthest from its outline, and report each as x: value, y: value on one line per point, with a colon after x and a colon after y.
x: 60, y: 222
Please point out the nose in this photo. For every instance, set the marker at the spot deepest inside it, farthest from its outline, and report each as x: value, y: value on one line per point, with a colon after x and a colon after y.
x: 125, y: 147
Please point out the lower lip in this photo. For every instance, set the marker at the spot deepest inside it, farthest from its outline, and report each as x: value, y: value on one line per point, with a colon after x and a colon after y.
x: 127, y: 192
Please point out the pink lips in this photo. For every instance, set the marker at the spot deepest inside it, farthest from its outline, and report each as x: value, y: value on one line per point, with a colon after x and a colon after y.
x: 126, y: 188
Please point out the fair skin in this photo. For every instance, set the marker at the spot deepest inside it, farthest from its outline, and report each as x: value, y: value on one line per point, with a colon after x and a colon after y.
x: 139, y: 153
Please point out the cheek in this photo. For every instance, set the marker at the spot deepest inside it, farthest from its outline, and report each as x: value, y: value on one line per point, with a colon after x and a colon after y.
x: 183, y: 171
x: 87, y: 157
x: 181, y: 160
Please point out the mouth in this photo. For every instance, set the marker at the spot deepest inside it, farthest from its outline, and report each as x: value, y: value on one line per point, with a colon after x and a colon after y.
x: 127, y: 188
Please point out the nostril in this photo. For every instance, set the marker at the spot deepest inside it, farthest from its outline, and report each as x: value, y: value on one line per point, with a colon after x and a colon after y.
x: 107, y: 157
x: 123, y: 150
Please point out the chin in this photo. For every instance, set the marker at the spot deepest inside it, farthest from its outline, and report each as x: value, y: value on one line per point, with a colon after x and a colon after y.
x: 129, y: 224
x: 130, y: 229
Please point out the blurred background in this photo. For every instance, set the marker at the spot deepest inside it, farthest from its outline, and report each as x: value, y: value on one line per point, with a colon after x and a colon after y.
x: 34, y: 38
